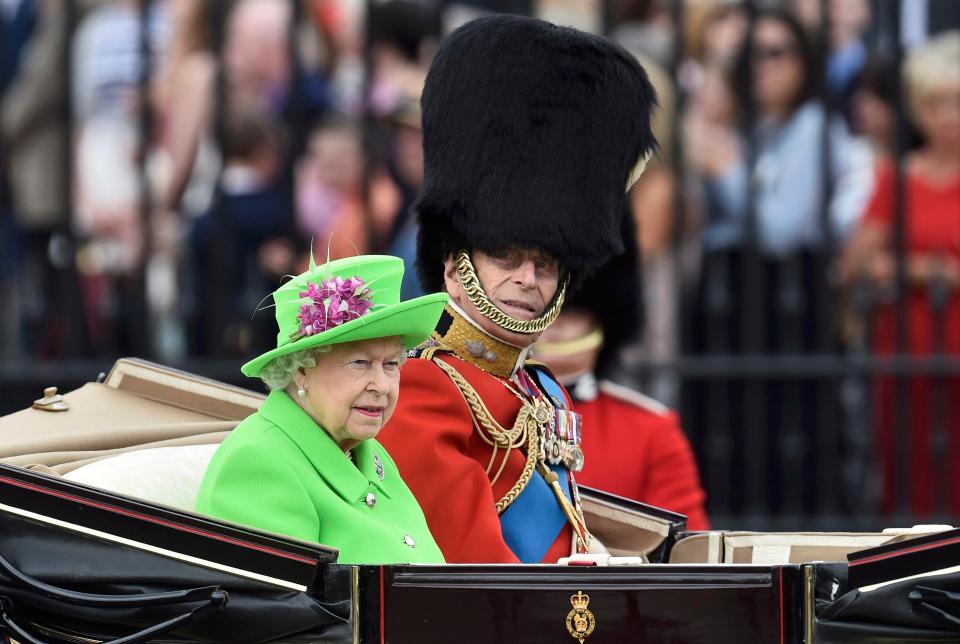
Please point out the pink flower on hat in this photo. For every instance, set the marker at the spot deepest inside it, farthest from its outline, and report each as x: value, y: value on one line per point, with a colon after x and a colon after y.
x: 332, y: 303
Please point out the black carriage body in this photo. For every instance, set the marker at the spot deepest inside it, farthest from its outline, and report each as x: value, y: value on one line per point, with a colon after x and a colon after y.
x: 535, y: 604
x: 87, y: 543
x: 78, y: 564
x: 82, y: 565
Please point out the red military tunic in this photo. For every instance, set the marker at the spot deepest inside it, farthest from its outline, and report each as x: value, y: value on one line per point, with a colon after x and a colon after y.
x: 634, y: 447
x: 443, y: 459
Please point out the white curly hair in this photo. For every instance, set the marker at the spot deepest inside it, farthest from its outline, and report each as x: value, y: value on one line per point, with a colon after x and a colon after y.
x: 279, y: 372
x: 931, y: 66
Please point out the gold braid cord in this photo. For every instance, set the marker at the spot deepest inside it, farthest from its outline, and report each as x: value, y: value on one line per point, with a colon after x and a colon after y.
x: 471, y: 286
x: 525, y: 430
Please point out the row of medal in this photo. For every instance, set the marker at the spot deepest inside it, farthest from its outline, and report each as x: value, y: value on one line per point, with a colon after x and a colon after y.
x: 561, y: 440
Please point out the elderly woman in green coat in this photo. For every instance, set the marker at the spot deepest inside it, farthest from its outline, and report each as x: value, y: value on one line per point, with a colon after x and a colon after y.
x: 307, y: 464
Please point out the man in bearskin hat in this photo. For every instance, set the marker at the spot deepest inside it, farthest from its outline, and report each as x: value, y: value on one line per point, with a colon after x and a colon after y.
x: 633, y: 445
x: 532, y: 133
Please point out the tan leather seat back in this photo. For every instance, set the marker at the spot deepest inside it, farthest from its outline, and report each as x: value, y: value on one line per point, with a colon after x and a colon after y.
x: 773, y: 548
x: 141, y: 405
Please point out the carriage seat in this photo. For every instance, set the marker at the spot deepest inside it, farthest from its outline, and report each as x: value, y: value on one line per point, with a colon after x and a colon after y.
x: 169, y: 476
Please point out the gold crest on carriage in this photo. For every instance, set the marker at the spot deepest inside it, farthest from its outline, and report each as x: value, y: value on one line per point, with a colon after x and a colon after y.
x: 580, y: 621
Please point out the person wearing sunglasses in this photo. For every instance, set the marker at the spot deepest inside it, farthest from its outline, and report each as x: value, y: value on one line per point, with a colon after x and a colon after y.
x: 783, y: 122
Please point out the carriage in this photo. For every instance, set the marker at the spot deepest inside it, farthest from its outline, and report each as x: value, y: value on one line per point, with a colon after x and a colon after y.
x: 98, y: 543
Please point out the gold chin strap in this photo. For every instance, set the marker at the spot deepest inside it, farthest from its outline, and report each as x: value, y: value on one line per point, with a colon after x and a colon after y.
x: 471, y: 286
x: 588, y: 342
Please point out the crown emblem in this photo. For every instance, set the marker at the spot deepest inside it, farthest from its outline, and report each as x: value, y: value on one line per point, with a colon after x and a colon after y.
x: 580, y: 601
x: 580, y: 621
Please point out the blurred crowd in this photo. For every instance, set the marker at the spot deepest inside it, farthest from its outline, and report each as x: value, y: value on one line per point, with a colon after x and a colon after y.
x: 170, y: 161
x: 178, y: 157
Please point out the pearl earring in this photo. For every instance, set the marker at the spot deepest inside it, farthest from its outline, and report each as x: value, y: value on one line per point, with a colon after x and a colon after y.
x: 301, y: 392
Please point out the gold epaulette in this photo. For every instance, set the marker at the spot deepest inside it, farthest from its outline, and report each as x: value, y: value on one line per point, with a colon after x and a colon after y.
x: 523, y: 432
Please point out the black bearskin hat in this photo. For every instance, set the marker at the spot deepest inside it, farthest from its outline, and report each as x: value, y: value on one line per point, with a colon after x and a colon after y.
x: 614, y: 293
x: 530, y: 132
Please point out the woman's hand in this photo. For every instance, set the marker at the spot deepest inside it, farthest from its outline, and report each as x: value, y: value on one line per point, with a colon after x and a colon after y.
x: 927, y: 268
x: 868, y: 255
x: 922, y: 269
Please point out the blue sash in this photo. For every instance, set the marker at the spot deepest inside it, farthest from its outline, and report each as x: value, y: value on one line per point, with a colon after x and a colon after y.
x: 534, y: 520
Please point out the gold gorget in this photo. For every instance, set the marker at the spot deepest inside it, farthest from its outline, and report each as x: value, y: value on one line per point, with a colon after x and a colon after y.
x: 471, y: 344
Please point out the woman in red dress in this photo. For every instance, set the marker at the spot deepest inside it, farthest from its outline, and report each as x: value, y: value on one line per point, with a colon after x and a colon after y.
x: 932, y: 263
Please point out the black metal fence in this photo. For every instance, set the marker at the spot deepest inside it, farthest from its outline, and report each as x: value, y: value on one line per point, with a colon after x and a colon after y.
x: 781, y: 406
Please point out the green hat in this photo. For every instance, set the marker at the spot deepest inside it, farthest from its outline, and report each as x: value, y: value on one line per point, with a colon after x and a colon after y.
x: 357, y: 298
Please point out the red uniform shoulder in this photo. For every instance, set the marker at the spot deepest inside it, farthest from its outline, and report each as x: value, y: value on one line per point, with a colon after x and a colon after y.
x: 633, y: 398
x: 634, y: 446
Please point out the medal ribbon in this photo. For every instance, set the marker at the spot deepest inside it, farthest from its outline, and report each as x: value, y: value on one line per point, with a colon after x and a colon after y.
x: 553, y: 392
x: 564, y: 432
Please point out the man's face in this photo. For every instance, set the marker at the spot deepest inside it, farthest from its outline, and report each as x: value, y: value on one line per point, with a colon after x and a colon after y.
x: 520, y: 282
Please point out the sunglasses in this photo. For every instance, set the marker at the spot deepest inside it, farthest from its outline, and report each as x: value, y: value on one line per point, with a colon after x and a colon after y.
x: 764, y: 54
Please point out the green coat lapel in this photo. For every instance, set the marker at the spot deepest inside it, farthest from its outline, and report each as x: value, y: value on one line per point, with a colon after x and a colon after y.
x: 351, y: 483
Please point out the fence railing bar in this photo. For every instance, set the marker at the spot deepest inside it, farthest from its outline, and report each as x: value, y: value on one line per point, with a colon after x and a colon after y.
x: 298, y: 127
x: 721, y: 365
x: 754, y: 303
x: 790, y: 431
x: 824, y: 433
x: 678, y: 209
x: 902, y: 476
x: 826, y: 150
x: 76, y: 336
x: 141, y: 333
x: 607, y: 17
x: 828, y: 434
x: 221, y: 254
x: 867, y: 305
x: 856, y: 445
x: 717, y: 432
x: 368, y: 124
x: 939, y: 446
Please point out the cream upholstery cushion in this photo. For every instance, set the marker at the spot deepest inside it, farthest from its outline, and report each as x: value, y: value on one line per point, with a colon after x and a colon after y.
x: 167, y: 475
